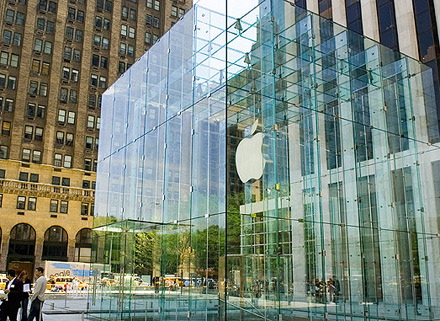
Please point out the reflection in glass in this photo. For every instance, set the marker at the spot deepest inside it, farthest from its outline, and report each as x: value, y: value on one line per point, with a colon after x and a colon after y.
x: 267, y: 164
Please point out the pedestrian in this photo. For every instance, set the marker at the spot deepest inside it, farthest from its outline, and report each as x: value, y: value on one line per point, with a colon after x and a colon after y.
x: 14, y: 292
x: 331, y: 290
x: 337, y: 288
x: 23, y: 276
x: 37, y: 298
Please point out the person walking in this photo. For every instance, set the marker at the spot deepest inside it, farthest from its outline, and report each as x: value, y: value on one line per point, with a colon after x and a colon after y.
x: 14, y: 292
x: 23, y: 277
x: 331, y: 290
x: 37, y: 298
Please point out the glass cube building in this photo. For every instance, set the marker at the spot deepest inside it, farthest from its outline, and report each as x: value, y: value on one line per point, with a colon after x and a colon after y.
x: 263, y: 163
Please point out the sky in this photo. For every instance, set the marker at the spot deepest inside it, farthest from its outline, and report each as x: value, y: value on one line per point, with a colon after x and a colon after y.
x: 240, y: 7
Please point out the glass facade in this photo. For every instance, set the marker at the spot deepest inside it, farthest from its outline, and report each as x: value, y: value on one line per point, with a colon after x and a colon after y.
x: 263, y: 163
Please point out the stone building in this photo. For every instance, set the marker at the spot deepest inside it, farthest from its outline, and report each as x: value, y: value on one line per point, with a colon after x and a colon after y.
x: 57, y: 58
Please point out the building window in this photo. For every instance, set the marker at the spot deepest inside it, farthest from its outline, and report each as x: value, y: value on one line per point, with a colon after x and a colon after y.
x: 21, y: 202
x: 105, y: 43
x: 9, y: 105
x: 124, y: 13
x: 4, y: 58
x: 66, y: 73
x: 49, y: 6
x: 71, y: 118
x: 102, y: 82
x: 79, y: 35
x: 3, y: 152
x: 108, y: 5
x: 32, y: 204
x: 58, y: 158
x: 156, y: 22
x: 38, y: 134
x: 174, y: 11
x: 38, y: 45
x: 6, y: 128
x: 34, y: 178
x: 86, y: 184
x: 36, y: 156
x: 7, y: 37
x: 17, y: 39
x: 48, y: 47
x: 63, y: 95
x: 26, y: 155
x: 60, y: 138
x: 53, y: 206
x: 92, y: 101
x: 95, y: 60
x: 133, y: 14
x: 67, y: 53
x: 67, y: 161
x: 69, y: 139
x: 50, y: 26
x: 75, y: 75
x: 28, y: 132
x: 56, y: 180
x: 124, y: 30
x: 106, y: 25
x: 14, y: 60
x: 23, y: 176
x: 130, y: 51
x: 65, y: 181
x: 43, y: 89
x: 87, y: 164
x: 84, y: 209
x: 148, y: 38
x: 89, y: 142
x: 73, y: 96
x: 94, y: 80
x: 97, y: 40
x: 33, y: 87
x: 148, y: 20
x: 122, y: 49
x: 12, y: 82
x: 45, y: 67
x: 69, y: 33
x: 131, y: 33
x: 9, y: 16
x: 80, y: 15
x: 41, y: 111
x: 90, y: 122
x: 121, y: 69
x: 61, y: 116
x: 103, y: 62
x: 77, y: 55
x: 64, y: 207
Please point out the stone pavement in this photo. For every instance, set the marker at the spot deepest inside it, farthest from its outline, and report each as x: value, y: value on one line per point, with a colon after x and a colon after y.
x: 65, y: 309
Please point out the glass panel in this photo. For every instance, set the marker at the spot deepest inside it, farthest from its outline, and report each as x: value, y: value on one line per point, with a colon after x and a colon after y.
x: 278, y: 168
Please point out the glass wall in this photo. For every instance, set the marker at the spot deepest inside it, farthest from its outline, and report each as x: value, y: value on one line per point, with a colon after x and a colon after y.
x: 263, y: 163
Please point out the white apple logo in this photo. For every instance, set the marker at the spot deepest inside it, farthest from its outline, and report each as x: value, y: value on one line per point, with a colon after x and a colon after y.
x: 249, y: 156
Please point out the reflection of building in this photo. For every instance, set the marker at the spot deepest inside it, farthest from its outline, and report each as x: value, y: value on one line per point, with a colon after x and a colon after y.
x: 408, y: 26
x: 56, y: 60
x: 346, y: 200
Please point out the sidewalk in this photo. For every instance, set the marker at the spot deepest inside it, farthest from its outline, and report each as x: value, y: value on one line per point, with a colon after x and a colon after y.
x: 69, y: 309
